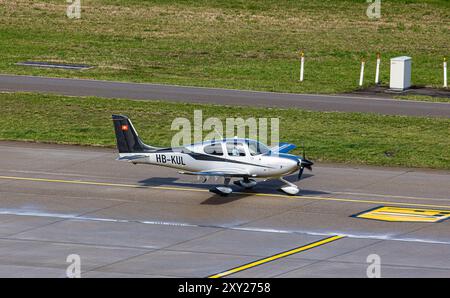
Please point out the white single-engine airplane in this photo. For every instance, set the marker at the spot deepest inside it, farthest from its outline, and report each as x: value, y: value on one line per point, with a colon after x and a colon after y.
x: 227, y: 158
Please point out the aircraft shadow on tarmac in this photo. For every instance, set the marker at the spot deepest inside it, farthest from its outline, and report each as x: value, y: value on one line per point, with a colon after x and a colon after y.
x: 268, y: 187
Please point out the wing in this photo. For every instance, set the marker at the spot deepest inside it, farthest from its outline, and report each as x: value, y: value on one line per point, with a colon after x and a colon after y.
x: 283, y: 148
x: 223, y: 173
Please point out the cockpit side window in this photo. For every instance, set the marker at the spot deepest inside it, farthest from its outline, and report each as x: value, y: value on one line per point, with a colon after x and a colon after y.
x: 214, y: 149
x: 256, y: 148
x: 235, y: 149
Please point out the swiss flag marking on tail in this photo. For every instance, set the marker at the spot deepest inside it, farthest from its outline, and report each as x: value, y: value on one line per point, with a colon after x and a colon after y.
x: 124, y: 127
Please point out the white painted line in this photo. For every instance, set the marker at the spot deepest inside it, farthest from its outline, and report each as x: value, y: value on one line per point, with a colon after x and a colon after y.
x: 19, y: 212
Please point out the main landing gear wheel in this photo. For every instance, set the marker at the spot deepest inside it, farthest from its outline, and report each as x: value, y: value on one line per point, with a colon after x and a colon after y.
x: 245, y: 183
x: 223, y: 190
x: 290, y: 189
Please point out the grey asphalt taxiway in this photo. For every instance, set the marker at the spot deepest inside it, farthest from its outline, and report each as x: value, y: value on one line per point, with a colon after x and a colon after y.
x: 108, y: 89
x: 127, y: 220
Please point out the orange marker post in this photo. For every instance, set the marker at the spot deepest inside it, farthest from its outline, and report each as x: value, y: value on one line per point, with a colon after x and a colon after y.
x: 302, y: 65
x: 445, y: 72
x: 377, y: 73
x: 361, y: 77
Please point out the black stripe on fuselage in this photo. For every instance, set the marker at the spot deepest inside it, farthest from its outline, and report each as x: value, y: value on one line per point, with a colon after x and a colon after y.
x: 206, y: 157
x: 200, y: 156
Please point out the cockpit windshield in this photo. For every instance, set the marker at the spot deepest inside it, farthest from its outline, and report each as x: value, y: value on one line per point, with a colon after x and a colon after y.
x: 256, y: 148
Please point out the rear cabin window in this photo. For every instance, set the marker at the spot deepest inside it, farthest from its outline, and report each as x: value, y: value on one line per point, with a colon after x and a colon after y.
x: 214, y: 149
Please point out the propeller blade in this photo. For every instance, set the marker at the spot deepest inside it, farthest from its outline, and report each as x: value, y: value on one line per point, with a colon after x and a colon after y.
x: 300, y: 173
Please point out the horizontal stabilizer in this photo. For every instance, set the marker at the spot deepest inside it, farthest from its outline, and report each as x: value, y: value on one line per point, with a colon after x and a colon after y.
x: 132, y: 158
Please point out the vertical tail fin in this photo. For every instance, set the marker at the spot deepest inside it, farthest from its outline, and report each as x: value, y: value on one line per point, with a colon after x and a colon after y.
x: 127, y: 138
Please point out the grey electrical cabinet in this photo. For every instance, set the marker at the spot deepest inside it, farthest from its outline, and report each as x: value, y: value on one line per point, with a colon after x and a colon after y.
x: 400, y: 73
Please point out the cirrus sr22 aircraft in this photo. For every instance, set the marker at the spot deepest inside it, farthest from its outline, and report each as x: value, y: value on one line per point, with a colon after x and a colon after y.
x: 244, y: 159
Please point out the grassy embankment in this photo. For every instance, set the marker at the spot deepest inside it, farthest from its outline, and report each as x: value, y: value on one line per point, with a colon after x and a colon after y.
x: 233, y: 44
x: 329, y: 137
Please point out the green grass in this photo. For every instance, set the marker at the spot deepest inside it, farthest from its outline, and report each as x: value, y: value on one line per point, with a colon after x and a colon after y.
x: 423, y: 98
x: 352, y: 138
x: 232, y: 44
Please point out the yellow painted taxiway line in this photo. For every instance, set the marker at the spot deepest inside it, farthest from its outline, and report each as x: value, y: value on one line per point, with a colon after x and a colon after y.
x: 176, y: 188
x: 277, y: 256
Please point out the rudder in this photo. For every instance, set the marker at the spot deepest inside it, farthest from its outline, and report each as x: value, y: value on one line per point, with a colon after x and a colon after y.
x: 127, y: 138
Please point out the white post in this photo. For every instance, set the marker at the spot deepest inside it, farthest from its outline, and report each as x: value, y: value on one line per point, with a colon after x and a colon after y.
x: 377, y: 74
x: 445, y: 72
x: 302, y: 65
x: 361, y: 77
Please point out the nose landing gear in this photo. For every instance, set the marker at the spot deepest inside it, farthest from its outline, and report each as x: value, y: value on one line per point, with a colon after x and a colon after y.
x: 290, y: 188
